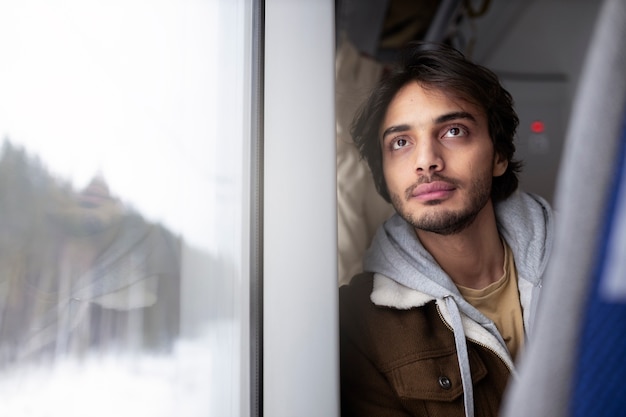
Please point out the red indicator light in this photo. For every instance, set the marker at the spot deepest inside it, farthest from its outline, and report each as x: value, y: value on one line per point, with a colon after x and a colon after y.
x: 537, y: 126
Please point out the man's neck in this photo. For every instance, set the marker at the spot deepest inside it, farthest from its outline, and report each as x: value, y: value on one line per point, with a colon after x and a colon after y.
x: 473, y: 258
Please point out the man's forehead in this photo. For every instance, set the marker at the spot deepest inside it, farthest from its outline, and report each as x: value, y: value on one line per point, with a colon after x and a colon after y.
x: 433, y: 101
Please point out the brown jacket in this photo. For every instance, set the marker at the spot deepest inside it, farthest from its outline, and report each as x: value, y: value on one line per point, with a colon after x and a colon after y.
x: 402, y: 361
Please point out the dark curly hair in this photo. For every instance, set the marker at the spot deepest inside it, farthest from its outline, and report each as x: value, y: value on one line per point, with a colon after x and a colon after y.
x: 441, y: 67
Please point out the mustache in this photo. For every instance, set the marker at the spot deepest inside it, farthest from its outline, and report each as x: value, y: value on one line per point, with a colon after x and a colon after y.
x: 425, y: 179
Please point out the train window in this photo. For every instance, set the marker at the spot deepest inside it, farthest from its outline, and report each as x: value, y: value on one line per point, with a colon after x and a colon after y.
x: 125, y: 184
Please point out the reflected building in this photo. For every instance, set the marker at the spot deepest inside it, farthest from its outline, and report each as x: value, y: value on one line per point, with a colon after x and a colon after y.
x: 80, y: 272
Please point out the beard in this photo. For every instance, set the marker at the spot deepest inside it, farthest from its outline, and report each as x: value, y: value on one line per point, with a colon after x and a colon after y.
x: 444, y: 221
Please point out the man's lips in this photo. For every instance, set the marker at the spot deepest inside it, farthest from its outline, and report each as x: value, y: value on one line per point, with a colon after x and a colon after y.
x: 435, y: 190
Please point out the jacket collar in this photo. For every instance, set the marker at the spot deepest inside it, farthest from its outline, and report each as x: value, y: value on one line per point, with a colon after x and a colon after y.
x: 389, y: 293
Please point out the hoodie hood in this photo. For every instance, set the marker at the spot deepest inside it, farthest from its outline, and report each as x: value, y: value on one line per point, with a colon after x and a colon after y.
x: 524, y: 221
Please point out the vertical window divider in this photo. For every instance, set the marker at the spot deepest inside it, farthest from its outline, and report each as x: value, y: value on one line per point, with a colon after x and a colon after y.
x: 256, y: 212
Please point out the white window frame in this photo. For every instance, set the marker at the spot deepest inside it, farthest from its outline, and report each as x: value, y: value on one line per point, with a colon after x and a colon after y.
x: 300, y: 331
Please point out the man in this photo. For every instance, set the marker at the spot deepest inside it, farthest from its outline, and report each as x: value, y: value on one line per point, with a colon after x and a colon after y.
x: 433, y: 325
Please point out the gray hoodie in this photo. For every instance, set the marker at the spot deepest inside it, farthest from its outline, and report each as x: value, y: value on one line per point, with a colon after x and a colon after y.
x: 407, y: 276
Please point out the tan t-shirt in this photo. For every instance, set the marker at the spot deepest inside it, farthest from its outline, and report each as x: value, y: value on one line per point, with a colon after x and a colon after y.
x: 500, y: 303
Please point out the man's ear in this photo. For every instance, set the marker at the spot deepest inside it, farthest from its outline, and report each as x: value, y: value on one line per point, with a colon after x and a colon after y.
x: 500, y: 165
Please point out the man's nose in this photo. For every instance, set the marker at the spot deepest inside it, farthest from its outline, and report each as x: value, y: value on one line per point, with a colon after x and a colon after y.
x: 428, y: 157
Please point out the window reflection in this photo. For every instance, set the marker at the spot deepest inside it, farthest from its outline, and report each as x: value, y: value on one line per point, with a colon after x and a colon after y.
x: 81, y: 271
x: 123, y: 177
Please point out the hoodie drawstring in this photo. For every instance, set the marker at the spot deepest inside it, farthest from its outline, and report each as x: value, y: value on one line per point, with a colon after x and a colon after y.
x: 462, y: 355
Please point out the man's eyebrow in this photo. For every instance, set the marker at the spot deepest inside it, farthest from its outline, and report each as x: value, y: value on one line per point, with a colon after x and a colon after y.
x: 441, y: 119
x: 395, y: 129
x: 454, y: 116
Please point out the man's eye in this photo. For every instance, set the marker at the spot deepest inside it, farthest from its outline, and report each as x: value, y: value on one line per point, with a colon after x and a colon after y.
x: 454, y: 132
x: 399, y: 143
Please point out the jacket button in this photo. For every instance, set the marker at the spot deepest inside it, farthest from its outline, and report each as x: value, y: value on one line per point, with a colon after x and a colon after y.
x: 444, y: 382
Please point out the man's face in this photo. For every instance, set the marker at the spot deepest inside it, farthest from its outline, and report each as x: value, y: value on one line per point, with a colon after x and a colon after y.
x: 438, y: 159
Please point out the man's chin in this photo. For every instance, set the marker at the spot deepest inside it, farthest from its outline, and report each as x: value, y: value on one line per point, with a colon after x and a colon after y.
x: 441, y: 222
x: 446, y: 229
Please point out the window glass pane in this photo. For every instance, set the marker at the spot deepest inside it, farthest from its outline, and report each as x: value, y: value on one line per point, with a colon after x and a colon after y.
x: 124, y: 229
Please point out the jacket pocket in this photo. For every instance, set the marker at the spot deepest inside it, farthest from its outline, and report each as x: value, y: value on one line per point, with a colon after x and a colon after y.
x: 434, y: 377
